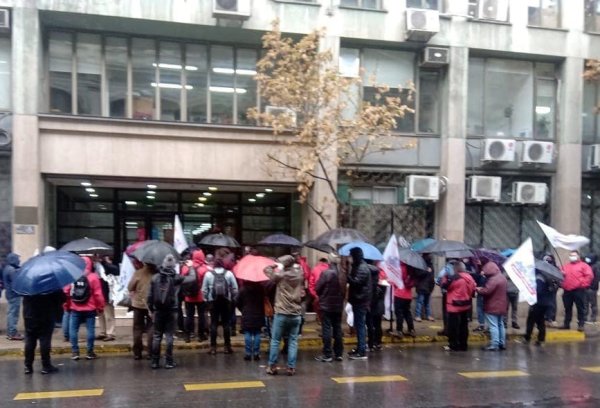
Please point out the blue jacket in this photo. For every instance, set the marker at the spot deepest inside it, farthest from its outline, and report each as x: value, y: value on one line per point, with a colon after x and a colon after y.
x: 9, y: 273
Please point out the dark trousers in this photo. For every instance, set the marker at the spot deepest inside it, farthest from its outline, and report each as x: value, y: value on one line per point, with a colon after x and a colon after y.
x: 142, y: 323
x: 458, y: 330
x: 190, y: 310
x: 38, y: 331
x: 374, y: 332
x: 444, y: 312
x: 402, y: 309
x: 536, y: 316
x: 591, y: 305
x: 332, y: 324
x: 513, y: 303
x: 576, y: 296
x: 164, y: 324
x: 551, y: 310
x: 180, y: 320
x: 220, y: 313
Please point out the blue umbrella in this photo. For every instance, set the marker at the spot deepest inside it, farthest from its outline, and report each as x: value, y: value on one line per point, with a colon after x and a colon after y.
x: 508, y: 252
x: 418, y: 245
x: 369, y: 251
x: 48, y: 272
x: 491, y: 255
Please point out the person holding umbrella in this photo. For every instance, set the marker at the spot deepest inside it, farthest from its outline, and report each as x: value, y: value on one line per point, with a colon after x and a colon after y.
x: 460, y: 288
x: 251, y: 302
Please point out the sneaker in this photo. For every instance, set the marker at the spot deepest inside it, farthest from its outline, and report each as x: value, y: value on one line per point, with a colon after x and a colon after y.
x: 91, y: 356
x: 202, y: 338
x: 247, y: 357
x: 339, y: 358
x: 66, y: 340
x: 187, y: 338
x: 291, y: 371
x: 418, y: 319
x: 378, y: 347
x: 412, y: 333
x: 447, y: 348
x: 28, y: 370
x: 212, y: 351
x: 272, y: 370
x: 228, y: 350
x: 154, y: 365
x: 75, y: 356
x: 539, y: 343
x: 580, y: 328
x: 110, y: 338
x: 16, y: 337
x: 49, y: 370
x: 170, y: 364
x: 431, y: 319
x: 515, y: 325
x: 100, y: 337
x: 256, y: 357
x: 137, y: 357
x: 324, y: 359
x: 490, y: 348
x: 358, y: 356
x: 479, y: 328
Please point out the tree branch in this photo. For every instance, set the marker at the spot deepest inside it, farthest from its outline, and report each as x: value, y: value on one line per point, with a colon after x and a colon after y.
x: 319, y: 213
x: 329, y: 182
x: 289, y: 166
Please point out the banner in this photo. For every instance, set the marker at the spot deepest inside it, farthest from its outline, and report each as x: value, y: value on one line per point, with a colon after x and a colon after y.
x: 391, y: 263
x: 126, y: 270
x: 570, y: 242
x: 179, y: 242
x: 520, y: 267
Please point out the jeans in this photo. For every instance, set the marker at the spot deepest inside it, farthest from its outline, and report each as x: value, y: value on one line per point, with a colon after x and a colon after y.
x: 423, y: 302
x: 536, y: 317
x: 591, y: 305
x: 90, y: 322
x: 282, y: 325
x: 332, y: 325
x: 480, y: 313
x: 402, y: 309
x: 458, y: 330
x: 190, y: 311
x: 360, y: 325
x: 252, y: 342
x: 164, y: 324
x: 142, y: 323
x: 220, y: 312
x: 576, y: 296
x: 497, y: 330
x: 12, y: 318
x: 66, y: 323
x: 35, y: 331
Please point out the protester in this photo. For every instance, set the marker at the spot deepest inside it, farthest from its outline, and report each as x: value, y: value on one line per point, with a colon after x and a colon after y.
x: 591, y: 298
x: 402, y: 298
x: 315, y: 274
x: 13, y: 264
x: 578, y: 278
x: 139, y: 287
x: 550, y: 316
x: 440, y: 275
x: 220, y: 289
x: 495, y: 305
x: 424, y: 284
x: 251, y: 302
x: 194, y: 300
x: 107, y: 273
x: 474, y: 269
x: 40, y: 312
x: 331, y: 303
x: 376, y: 309
x: 512, y: 295
x: 460, y: 288
x: 86, y: 302
x: 546, y: 291
x: 359, y: 296
x: 289, y: 278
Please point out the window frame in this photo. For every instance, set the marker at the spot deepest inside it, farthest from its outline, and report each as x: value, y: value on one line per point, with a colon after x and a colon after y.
x: 360, y: 6
x: 590, y: 15
x: 440, y: 6
x: 596, y: 118
x: 541, y: 8
x: 476, y: 17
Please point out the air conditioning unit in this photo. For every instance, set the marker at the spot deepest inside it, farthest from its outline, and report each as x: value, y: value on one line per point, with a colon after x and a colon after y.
x: 435, y: 57
x: 280, y: 110
x: 234, y: 9
x: 529, y: 193
x: 493, y: 10
x: 595, y: 157
x: 423, y: 188
x: 422, y: 24
x: 484, y: 188
x: 537, y: 152
x: 499, y: 150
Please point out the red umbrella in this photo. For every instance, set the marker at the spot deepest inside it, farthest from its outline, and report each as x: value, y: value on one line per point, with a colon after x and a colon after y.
x: 250, y: 268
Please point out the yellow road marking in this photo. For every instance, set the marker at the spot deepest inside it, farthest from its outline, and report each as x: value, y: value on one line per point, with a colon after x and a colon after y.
x: 59, y: 394
x: 494, y: 374
x: 223, y: 386
x: 368, y: 379
x: 435, y: 327
x: 591, y: 369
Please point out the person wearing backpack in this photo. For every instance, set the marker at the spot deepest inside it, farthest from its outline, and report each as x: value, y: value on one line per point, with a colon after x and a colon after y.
x: 220, y: 289
x: 86, y: 301
x: 194, y: 300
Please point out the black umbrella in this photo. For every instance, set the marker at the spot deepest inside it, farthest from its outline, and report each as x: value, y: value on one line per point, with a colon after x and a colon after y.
x: 448, y: 248
x: 412, y: 258
x: 88, y: 246
x: 335, y: 237
x: 548, y: 270
x: 154, y: 252
x: 280, y: 240
x: 219, y: 240
x: 319, y: 246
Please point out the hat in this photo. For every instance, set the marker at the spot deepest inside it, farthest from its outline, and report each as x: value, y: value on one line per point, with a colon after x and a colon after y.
x: 169, y: 262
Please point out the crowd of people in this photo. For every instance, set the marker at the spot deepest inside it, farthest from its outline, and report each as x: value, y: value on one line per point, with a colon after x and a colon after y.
x: 473, y: 289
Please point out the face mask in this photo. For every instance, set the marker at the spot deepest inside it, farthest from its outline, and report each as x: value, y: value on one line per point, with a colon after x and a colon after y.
x: 588, y: 260
x: 573, y: 258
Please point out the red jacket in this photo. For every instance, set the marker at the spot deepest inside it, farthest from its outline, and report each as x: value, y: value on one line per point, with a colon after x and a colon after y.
x: 460, y: 290
x: 578, y: 275
x: 405, y: 293
x: 201, y: 268
x: 495, y: 299
x: 301, y: 260
x: 96, y: 300
x: 314, y: 277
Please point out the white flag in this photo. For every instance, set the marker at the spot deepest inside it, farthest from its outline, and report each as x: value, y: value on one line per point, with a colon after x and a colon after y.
x: 520, y: 267
x: 126, y: 270
x: 570, y: 242
x: 391, y: 263
x: 179, y: 242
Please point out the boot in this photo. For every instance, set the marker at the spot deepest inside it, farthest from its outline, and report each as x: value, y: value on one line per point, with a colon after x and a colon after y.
x: 155, y: 363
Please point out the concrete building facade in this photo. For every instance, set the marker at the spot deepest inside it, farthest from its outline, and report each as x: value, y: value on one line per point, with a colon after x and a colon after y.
x: 145, y: 101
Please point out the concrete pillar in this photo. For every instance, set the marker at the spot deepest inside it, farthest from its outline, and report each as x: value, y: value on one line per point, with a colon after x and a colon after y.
x: 450, y: 210
x: 28, y: 205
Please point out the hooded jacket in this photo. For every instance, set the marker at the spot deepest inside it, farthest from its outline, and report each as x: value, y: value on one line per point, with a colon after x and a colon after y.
x: 290, y: 286
x: 208, y: 283
x: 495, y: 300
x: 167, y: 270
x: 139, y: 285
x: 9, y: 273
x: 460, y: 288
x: 359, y: 279
x: 329, y: 291
x: 200, y: 267
x: 96, y: 302
x: 409, y: 283
x: 315, y: 274
x: 578, y: 275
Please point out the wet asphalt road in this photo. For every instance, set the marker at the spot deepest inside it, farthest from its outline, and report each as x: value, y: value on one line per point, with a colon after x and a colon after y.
x: 552, y: 376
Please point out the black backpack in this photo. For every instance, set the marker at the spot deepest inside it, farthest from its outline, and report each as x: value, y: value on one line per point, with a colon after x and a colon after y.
x: 164, y: 292
x: 220, y: 286
x: 80, y: 290
x: 191, y: 290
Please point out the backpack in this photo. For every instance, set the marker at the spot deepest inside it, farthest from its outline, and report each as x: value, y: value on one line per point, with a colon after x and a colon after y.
x: 163, y: 292
x: 220, y: 288
x: 193, y: 288
x: 80, y: 290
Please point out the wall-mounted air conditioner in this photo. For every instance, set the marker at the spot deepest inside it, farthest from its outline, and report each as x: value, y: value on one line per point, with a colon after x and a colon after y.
x: 422, y: 24
x: 5, y: 138
x: 423, y: 188
x: 279, y: 110
x: 499, y: 150
x: 234, y: 9
x: 529, y: 193
x: 493, y: 10
x: 595, y: 156
x: 537, y: 152
x: 435, y: 57
x: 484, y: 188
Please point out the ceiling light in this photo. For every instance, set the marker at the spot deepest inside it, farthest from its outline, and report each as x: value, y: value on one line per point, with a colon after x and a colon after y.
x: 150, y: 192
x: 130, y: 202
x: 172, y: 86
x: 231, y: 71
x: 260, y: 195
x: 206, y: 194
x: 269, y: 190
x: 200, y: 205
x: 226, y: 89
x: 174, y: 66
x: 150, y: 197
x: 131, y: 222
x: 86, y: 183
x: 151, y: 186
x: 252, y: 200
x: 213, y: 188
x: 202, y: 198
x: 90, y: 190
x: 543, y: 110
x: 94, y: 195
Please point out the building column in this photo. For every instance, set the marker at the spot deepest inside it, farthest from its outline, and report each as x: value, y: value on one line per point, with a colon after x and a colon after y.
x: 28, y: 203
x: 450, y: 210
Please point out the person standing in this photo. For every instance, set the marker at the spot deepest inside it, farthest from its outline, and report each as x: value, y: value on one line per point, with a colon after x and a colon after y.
x: 591, y: 298
x: 512, y: 295
x: 495, y: 305
x: 359, y: 296
x: 13, y: 264
x: 40, y: 312
x: 546, y: 290
x: 550, y: 316
x: 376, y: 309
x: 194, y: 300
x: 315, y: 274
x: 331, y: 302
x: 251, y: 302
x: 460, y: 288
x: 424, y: 286
x: 288, y: 276
x: 402, y: 299
x: 139, y: 287
x: 578, y: 278
x: 107, y: 273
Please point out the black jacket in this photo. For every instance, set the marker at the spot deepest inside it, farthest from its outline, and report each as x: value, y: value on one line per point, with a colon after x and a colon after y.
x: 377, y: 306
x: 109, y: 269
x: 595, y: 265
x: 43, y: 310
x: 329, y: 290
x: 425, y: 283
x: 359, y: 280
x: 178, y: 282
x: 546, y: 291
x: 251, y: 302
